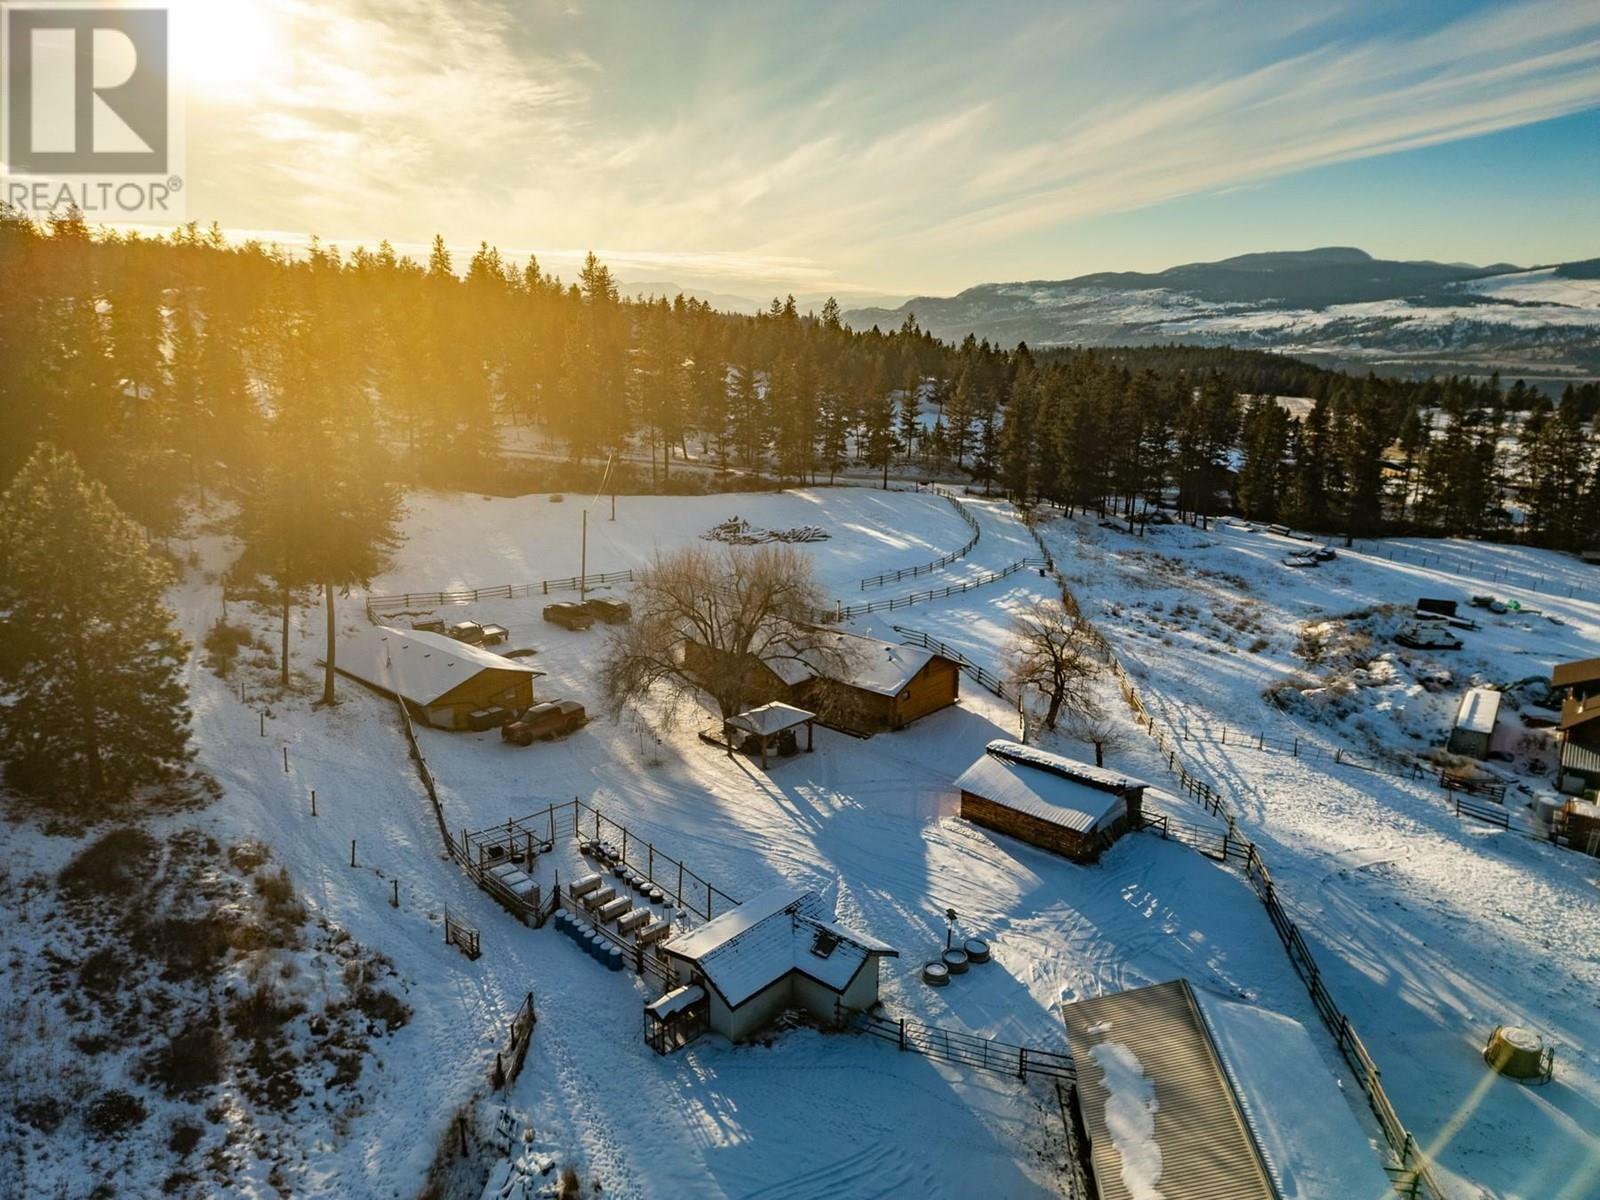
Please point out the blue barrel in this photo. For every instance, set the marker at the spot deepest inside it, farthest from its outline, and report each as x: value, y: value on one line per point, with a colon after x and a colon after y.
x: 614, y: 958
x: 561, y: 918
x: 598, y: 944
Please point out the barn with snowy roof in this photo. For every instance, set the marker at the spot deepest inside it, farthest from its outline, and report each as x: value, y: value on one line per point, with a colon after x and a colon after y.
x: 1050, y: 801
x: 777, y: 951
x: 442, y: 681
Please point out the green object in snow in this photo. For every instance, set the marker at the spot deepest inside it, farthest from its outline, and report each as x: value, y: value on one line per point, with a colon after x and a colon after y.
x: 1513, y: 606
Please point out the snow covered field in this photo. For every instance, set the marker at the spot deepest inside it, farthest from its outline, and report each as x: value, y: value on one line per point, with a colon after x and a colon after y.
x: 1430, y: 930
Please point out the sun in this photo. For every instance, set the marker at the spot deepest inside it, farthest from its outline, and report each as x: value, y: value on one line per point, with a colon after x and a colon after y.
x: 225, y: 51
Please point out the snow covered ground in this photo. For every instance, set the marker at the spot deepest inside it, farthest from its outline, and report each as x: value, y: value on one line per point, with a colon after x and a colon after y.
x: 1430, y: 929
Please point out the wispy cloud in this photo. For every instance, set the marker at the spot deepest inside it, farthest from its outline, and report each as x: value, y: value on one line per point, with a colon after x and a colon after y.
x: 872, y: 145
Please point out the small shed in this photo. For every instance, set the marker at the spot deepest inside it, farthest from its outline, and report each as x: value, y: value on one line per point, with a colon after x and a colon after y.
x: 443, y: 682
x: 771, y: 721
x: 1476, y: 719
x: 1050, y: 801
x: 777, y: 951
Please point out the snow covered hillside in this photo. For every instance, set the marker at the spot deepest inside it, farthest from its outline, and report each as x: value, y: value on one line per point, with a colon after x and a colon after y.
x: 1434, y: 931
x: 1430, y: 929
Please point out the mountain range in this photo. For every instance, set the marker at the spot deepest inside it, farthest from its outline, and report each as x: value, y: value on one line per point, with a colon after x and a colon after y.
x: 1336, y: 305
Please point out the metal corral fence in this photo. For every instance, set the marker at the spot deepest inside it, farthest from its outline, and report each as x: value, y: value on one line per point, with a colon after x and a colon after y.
x: 843, y: 612
x: 984, y: 676
x: 408, y: 601
x: 963, y: 1049
x: 873, y: 581
x: 574, y: 818
x: 1530, y: 580
x: 1414, y: 1175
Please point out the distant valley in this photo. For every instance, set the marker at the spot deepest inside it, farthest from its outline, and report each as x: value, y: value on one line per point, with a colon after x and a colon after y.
x: 1338, y: 306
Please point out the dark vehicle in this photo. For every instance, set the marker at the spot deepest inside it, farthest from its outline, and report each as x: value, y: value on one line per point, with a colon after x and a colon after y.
x: 428, y: 625
x: 1324, y: 554
x: 552, y: 719
x: 609, y: 610
x: 469, y: 632
x: 568, y: 614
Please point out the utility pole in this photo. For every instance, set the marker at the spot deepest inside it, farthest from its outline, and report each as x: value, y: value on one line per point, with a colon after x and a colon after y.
x: 583, y: 557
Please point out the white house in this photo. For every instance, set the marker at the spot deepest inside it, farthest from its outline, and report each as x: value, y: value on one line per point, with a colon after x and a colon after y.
x: 777, y: 951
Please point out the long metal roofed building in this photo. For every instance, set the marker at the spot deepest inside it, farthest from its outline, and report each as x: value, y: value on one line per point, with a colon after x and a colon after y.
x: 1195, y: 1096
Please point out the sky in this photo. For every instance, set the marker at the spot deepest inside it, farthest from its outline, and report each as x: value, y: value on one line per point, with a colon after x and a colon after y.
x: 874, y: 150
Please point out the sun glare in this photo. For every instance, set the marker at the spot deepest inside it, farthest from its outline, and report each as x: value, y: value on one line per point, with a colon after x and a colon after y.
x: 225, y: 51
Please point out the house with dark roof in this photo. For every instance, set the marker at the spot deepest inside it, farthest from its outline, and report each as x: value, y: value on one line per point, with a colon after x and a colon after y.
x: 1050, y: 801
x: 778, y: 951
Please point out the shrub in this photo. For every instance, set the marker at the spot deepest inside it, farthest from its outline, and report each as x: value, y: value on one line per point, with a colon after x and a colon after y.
x: 261, y: 1013
x: 191, y: 1061
x: 249, y: 854
x: 44, y: 1113
x: 103, y: 972
x: 383, y: 1006
x: 189, y: 947
x: 115, y: 865
x: 184, y: 1138
x: 114, y: 1112
x: 223, y: 643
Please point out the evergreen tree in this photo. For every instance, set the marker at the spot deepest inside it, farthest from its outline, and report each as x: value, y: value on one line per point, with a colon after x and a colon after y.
x: 91, y: 660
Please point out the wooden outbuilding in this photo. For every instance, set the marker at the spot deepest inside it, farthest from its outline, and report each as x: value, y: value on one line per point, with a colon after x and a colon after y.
x: 777, y: 951
x: 881, y: 686
x: 1580, y: 725
x: 1050, y: 801
x: 885, y: 687
x: 443, y: 682
x: 1476, y: 719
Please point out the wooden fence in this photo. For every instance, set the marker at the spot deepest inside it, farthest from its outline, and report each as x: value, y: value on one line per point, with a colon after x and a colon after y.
x: 965, y: 1050
x: 844, y: 612
x: 1532, y: 581
x: 1413, y: 1176
x: 1490, y: 814
x: 412, y: 601
x: 458, y: 933
x: 641, y: 957
x: 519, y: 1034
x: 984, y: 676
x: 937, y: 564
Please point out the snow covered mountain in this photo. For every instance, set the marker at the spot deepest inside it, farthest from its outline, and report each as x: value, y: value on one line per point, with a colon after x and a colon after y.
x: 1337, y: 304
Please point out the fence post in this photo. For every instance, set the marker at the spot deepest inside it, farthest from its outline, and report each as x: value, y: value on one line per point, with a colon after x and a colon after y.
x: 1022, y: 1063
x: 1297, y: 747
x: 902, y: 1033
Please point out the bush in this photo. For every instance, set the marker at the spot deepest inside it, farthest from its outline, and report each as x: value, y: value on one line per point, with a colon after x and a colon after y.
x: 116, y: 865
x: 189, y: 947
x: 190, y: 1062
x: 184, y: 1138
x: 249, y: 854
x: 383, y: 1006
x: 103, y: 972
x: 223, y: 643
x: 44, y: 1113
x: 261, y: 1013
x: 114, y: 1112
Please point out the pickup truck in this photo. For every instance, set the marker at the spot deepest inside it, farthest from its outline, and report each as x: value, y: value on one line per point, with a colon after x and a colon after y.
x: 551, y: 719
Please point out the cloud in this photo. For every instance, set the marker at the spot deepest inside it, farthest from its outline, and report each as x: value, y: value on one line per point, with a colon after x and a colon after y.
x: 843, y: 145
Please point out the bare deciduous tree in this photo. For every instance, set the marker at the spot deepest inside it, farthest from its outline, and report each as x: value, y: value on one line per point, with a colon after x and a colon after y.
x: 1055, y: 650
x: 1100, y: 730
x: 722, y: 622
